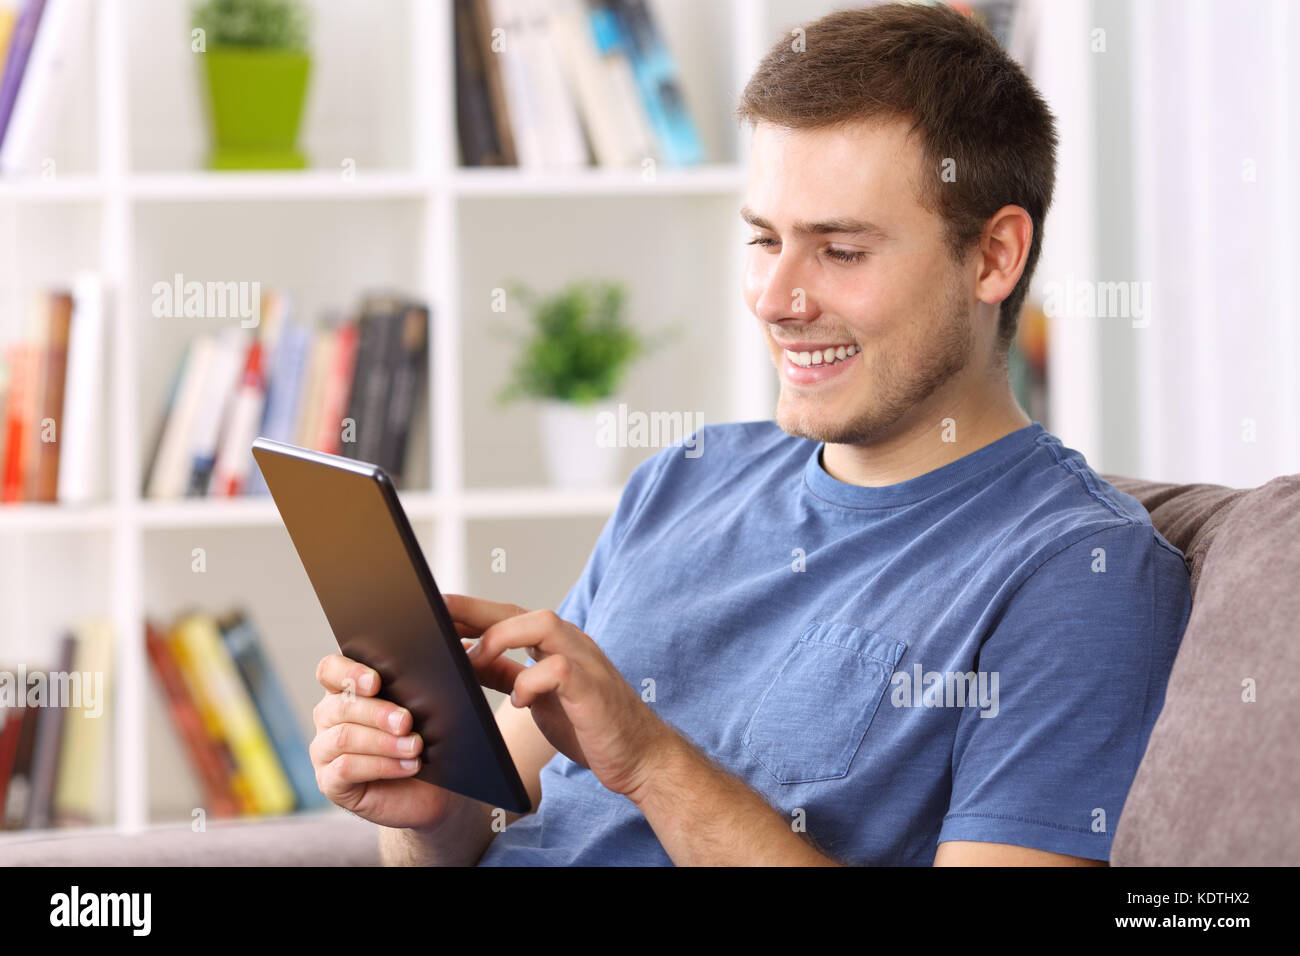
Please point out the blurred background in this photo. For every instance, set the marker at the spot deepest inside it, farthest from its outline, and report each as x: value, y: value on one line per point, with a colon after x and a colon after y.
x: 447, y: 236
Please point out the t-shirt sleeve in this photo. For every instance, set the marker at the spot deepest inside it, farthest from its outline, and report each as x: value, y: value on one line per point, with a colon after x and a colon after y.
x: 1082, y: 656
x: 577, y: 602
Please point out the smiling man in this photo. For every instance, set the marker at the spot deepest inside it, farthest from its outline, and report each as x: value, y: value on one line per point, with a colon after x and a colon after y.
x: 902, y: 623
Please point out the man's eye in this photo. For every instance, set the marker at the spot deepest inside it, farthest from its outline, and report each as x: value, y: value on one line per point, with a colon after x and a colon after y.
x: 844, y: 255
x: 761, y: 241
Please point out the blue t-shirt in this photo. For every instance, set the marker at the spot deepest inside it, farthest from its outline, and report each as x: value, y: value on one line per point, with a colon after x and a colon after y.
x: 977, y: 653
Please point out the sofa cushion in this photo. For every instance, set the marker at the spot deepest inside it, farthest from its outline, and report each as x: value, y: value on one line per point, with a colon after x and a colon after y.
x: 1187, y: 515
x: 1218, y: 782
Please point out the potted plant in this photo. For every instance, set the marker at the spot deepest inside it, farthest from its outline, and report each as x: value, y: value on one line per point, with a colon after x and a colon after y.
x: 572, y: 365
x: 256, y: 62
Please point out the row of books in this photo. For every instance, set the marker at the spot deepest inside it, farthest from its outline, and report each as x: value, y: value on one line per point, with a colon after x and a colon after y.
x: 51, y: 396
x: 43, y: 50
x: 54, y: 733
x: 560, y: 83
x: 232, y: 715
x: 351, y: 388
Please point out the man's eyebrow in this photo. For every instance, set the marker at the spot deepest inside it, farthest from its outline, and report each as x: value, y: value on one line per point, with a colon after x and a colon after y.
x: 845, y: 225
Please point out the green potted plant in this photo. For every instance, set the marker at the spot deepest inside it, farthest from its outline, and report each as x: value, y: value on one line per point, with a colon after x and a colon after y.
x: 572, y: 365
x: 257, y: 65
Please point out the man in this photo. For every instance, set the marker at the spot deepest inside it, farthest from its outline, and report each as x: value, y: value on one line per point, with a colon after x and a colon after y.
x: 902, y: 624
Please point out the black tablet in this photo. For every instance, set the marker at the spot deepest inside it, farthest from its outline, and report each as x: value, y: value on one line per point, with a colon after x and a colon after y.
x: 380, y: 599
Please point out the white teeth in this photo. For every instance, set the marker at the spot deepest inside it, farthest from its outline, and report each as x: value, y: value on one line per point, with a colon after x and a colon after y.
x: 823, y: 356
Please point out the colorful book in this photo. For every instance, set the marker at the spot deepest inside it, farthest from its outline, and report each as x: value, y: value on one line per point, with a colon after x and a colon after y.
x: 273, y: 707
x: 196, y: 644
x: 210, y: 757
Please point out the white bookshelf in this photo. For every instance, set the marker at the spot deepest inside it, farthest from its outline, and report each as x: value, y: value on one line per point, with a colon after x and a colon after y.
x: 131, y: 202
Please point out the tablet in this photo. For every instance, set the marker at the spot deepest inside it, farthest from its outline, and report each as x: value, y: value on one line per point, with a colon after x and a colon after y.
x: 380, y: 599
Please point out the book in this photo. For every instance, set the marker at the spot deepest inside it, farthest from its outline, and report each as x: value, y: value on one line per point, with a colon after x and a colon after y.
x: 49, y: 424
x: 18, y: 796
x: 475, y: 125
x: 54, y: 70
x: 49, y: 739
x: 338, y: 388
x: 20, y: 51
x: 11, y: 727
x: 243, y: 415
x: 81, y: 440
x: 198, y: 648
x: 492, y: 75
x: 174, y: 458
x: 370, y: 379
x: 273, y: 707
x: 406, y: 366
x: 81, y: 796
x: 563, y: 140
x: 590, y: 47
x: 209, y: 756
x: 655, y: 71
x: 218, y: 394
x: 284, y: 394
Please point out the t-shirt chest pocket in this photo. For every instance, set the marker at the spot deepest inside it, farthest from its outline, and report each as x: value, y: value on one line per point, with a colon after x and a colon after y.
x: 813, y: 716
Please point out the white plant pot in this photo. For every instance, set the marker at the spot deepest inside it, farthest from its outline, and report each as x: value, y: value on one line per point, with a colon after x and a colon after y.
x: 569, y: 440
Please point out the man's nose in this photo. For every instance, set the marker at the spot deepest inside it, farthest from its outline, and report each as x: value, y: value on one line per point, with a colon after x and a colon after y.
x: 785, y: 291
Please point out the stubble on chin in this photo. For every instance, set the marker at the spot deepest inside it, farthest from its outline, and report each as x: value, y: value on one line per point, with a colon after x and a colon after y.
x: 892, y: 388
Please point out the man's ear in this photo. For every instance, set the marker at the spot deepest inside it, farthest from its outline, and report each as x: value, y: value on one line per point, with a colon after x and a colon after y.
x: 1004, y: 250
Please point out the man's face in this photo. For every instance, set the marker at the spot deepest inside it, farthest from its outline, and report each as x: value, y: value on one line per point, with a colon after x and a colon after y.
x: 874, y: 274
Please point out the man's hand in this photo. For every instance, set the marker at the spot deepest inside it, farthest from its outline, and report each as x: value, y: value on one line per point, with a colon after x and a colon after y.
x: 578, y: 699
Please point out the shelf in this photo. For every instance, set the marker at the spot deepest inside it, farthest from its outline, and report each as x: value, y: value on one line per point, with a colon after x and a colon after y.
x: 720, y: 179
x: 205, y: 186
x: 249, y: 511
x: 55, y: 517
x: 76, y: 188
x: 540, y: 502
x: 255, y: 511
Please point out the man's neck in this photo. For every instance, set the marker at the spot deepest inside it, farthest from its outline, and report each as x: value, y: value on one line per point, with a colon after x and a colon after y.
x: 924, y: 446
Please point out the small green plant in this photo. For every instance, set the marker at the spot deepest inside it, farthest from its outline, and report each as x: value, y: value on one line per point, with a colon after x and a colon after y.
x: 581, y: 344
x: 273, y: 24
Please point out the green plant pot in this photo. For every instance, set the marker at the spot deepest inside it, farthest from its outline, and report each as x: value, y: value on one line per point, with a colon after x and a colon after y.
x: 256, y: 98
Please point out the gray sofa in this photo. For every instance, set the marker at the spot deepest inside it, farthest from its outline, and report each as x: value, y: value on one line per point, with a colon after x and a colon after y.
x: 1219, y: 784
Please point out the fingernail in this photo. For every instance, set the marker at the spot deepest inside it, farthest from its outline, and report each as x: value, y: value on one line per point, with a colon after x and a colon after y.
x: 395, y: 721
x: 367, y: 681
x: 410, y: 743
x: 514, y: 698
x: 410, y: 764
x: 473, y: 651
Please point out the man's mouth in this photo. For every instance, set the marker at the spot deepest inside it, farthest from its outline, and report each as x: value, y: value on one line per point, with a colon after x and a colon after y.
x: 823, y: 357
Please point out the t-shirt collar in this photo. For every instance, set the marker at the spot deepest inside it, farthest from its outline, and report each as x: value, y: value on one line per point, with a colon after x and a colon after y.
x: 915, y: 489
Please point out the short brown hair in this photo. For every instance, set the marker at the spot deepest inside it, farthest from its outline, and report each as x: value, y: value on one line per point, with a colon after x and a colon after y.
x: 968, y: 100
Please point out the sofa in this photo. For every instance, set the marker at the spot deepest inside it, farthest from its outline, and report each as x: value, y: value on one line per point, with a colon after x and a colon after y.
x: 1219, y: 783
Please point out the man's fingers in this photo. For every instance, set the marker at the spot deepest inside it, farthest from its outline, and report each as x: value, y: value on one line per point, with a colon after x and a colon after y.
x: 544, y: 632
x: 347, y: 770
x: 548, y: 676
x: 337, y: 673
x: 359, y: 739
x: 371, y: 711
x: 498, y: 674
x: 478, y: 614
